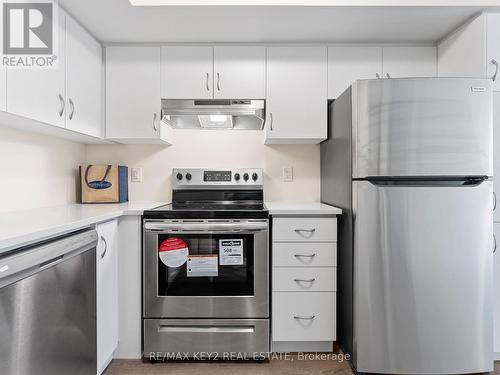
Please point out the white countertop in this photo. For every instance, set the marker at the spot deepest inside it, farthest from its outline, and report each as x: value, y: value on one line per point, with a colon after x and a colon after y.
x: 298, y: 208
x: 19, y: 228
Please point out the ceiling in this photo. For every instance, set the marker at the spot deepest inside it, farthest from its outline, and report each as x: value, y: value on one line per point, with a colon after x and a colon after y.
x: 117, y: 21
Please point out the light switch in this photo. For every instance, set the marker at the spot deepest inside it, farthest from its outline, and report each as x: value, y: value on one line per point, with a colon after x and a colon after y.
x: 287, y: 174
x: 136, y: 175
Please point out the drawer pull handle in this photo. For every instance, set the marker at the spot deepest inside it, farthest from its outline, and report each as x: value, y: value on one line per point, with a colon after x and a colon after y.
x: 305, y: 255
x: 306, y: 230
x: 301, y: 317
x: 305, y: 280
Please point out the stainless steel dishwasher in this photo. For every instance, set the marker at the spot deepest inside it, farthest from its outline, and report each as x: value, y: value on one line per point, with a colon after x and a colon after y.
x: 48, y: 307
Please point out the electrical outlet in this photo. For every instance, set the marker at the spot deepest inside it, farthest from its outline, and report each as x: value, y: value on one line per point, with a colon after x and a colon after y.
x: 136, y: 174
x: 287, y: 174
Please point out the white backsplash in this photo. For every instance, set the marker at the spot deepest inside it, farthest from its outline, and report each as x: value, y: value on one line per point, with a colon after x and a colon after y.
x: 216, y: 149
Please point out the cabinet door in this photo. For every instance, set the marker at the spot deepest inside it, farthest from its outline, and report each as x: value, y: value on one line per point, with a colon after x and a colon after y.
x: 296, y: 94
x: 240, y: 72
x: 463, y: 53
x: 494, y: 47
x: 409, y: 62
x: 348, y: 64
x: 187, y: 72
x: 84, y: 89
x: 107, y: 292
x: 496, y: 291
x: 39, y: 93
x: 496, y: 154
x: 3, y: 89
x: 133, y: 100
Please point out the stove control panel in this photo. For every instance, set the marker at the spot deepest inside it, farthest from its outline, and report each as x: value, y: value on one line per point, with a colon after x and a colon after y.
x: 237, y: 178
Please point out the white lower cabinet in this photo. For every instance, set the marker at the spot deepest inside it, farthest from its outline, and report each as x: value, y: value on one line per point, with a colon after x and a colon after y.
x: 107, y: 293
x: 302, y: 316
x: 496, y: 154
x: 496, y: 291
x: 304, y: 274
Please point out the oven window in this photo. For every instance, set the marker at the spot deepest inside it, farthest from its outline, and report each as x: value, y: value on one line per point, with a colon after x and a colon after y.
x: 216, y: 265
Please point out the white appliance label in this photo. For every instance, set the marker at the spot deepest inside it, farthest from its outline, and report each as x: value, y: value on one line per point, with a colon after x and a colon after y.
x: 173, y: 252
x: 202, y: 265
x: 231, y: 252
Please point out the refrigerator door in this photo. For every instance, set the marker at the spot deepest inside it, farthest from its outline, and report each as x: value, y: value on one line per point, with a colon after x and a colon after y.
x: 423, y: 260
x: 422, y: 127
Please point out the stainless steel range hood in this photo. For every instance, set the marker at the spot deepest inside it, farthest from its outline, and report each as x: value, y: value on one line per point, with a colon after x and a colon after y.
x: 234, y: 114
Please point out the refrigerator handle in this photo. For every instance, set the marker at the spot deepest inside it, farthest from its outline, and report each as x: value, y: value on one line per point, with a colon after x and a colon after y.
x: 437, y: 182
x: 494, y: 201
x: 495, y: 243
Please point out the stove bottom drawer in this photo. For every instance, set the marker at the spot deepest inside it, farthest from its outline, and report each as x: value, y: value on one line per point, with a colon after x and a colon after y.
x: 166, y: 339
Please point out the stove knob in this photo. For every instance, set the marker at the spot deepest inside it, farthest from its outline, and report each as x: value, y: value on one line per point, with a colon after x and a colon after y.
x: 255, y: 176
x: 245, y: 176
x: 236, y: 176
x: 188, y: 176
x: 179, y: 176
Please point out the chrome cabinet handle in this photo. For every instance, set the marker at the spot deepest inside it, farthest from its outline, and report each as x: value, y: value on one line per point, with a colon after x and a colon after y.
x: 301, y: 317
x: 377, y: 75
x: 305, y: 280
x: 495, y: 242
x: 61, y: 100
x: 218, y: 82
x: 105, y: 247
x: 494, y: 62
x: 208, y: 87
x: 72, y: 110
x: 305, y: 230
x: 305, y: 255
x: 494, y: 201
x: 155, y: 126
x: 387, y: 75
x: 271, y: 120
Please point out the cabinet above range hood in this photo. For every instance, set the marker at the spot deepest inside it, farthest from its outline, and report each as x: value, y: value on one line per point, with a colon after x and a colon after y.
x: 237, y: 114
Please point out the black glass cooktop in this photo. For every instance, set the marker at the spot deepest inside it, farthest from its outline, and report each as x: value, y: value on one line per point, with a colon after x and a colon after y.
x: 208, y: 211
x: 207, y: 204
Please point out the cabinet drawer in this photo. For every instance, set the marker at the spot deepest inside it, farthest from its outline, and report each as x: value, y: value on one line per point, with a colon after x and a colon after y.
x: 304, y: 254
x: 304, y: 316
x: 319, y: 279
x: 305, y: 229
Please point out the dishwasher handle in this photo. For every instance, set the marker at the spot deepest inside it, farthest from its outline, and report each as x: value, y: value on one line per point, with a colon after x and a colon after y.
x: 33, y: 259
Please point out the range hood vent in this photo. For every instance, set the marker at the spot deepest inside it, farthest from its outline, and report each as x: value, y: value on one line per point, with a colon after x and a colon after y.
x: 213, y: 114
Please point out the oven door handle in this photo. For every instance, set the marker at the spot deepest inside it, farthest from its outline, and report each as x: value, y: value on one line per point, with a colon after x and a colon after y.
x: 206, y: 228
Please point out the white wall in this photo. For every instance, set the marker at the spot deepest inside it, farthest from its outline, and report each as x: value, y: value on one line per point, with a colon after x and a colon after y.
x: 36, y: 170
x: 217, y: 149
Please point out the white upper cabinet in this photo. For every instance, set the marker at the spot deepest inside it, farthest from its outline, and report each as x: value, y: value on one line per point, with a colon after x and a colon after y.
x: 473, y: 50
x: 133, y: 96
x: 419, y: 61
x: 240, y: 72
x: 208, y: 72
x: 186, y: 72
x: 39, y: 94
x: 84, y: 81
x: 296, y: 94
x: 493, y: 57
x: 350, y: 63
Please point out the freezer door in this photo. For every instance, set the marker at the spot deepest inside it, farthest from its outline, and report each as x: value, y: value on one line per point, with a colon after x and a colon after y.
x: 422, y: 127
x: 423, y: 279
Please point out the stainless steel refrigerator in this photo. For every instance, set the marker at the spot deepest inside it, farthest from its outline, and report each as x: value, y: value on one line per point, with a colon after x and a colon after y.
x: 411, y: 163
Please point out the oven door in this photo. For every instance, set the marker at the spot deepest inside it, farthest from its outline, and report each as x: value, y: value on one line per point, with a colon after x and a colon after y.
x: 225, y: 273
